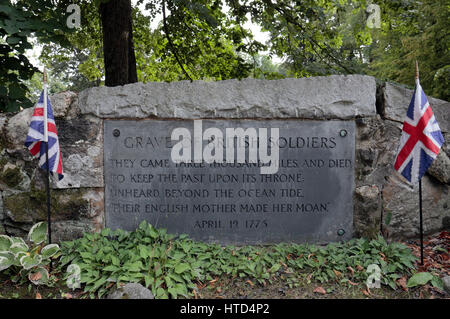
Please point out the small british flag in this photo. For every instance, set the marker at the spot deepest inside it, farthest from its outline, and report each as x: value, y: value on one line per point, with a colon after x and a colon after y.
x: 36, y: 135
x: 421, y: 138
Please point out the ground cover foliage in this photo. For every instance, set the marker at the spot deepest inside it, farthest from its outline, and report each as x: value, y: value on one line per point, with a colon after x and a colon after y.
x: 175, y: 267
x: 179, y: 267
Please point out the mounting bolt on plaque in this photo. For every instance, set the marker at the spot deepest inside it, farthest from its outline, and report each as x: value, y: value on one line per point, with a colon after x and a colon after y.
x: 343, y: 133
x: 116, y: 133
x: 341, y: 232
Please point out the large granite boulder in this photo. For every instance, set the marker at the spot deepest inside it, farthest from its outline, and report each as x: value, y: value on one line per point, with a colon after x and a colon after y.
x: 338, y: 97
x: 79, y: 198
x: 401, y: 204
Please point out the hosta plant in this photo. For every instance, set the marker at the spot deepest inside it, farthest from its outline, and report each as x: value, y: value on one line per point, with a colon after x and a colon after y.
x: 28, y: 260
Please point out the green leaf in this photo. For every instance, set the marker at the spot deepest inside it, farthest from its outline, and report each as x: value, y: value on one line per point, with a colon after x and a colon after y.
x: 13, y: 40
x: 5, y: 262
x: 98, y: 283
x: 29, y: 262
x: 115, y: 261
x: 18, y: 247
x: 18, y: 240
x: 50, y: 250
x: 16, y: 91
x: 180, y: 268
x: 5, y: 242
x: 419, y: 279
x: 275, y: 268
x: 437, y: 282
x: 143, y: 252
x: 38, y: 233
x: 111, y: 268
x: 148, y: 280
x: 39, y: 276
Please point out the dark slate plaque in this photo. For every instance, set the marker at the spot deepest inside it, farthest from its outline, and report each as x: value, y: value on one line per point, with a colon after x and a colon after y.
x: 309, y: 198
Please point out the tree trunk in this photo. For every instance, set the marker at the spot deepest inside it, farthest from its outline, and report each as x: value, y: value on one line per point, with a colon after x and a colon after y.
x: 118, y: 48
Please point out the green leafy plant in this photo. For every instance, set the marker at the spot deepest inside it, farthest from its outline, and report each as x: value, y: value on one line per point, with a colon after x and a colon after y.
x: 172, y: 266
x: 28, y: 261
x: 422, y: 278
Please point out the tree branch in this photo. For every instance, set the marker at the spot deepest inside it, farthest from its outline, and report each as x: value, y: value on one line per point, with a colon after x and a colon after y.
x: 292, y: 20
x: 166, y: 32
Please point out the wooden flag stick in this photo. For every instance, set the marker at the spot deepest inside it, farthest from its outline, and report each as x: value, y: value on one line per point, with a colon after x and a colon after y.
x: 417, y: 70
x: 420, y: 190
x: 47, y: 179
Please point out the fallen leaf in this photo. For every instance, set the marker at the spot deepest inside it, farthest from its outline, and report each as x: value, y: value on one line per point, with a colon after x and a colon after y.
x: 68, y: 296
x: 365, y: 292
x: 200, y: 285
x: 402, y: 283
x: 320, y: 290
x: 359, y: 268
x: 352, y: 283
x: 351, y: 270
x: 195, y: 293
x: 250, y: 282
x: 337, y: 273
x: 36, y: 276
x: 38, y: 296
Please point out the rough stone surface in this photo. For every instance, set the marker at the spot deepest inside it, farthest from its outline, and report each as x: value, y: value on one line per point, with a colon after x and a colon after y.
x: 446, y: 146
x: 446, y: 281
x: 61, y: 102
x: 2, y: 121
x: 339, y: 97
x: 131, y: 291
x: 440, y: 168
x: 17, y: 128
x: 367, y: 209
x: 81, y: 152
x: 70, y: 229
x: 2, y: 214
x: 376, y: 148
x: 397, y: 99
x: 402, y: 201
x: 73, y: 211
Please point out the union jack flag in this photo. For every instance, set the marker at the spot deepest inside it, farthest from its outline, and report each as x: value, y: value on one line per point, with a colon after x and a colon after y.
x: 421, y: 138
x: 35, y: 138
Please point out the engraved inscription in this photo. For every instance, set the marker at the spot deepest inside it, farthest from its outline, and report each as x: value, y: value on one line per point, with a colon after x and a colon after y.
x: 306, y: 195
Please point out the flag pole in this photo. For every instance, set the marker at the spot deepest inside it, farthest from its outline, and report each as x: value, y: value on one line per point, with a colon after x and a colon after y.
x: 47, y: 179
x: 420, y: 191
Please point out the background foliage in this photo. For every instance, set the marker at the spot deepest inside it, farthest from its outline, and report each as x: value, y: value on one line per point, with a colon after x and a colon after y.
x: 207, y: 40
